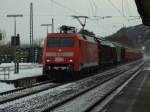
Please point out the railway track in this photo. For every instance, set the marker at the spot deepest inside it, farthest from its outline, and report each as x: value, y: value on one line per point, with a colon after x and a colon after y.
x: 101, y: 104
x: 29, y: 90
x: 26, y: 91
x: 21, y: 88
x: 52, y: 99
x: 94, y: 99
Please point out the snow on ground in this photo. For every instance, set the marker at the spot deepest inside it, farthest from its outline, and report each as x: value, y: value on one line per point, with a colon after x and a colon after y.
x: 22, y: 65
x: 147, y: 67
x: 26, y: 70
x: 12, y: 64
x: 6, y: 87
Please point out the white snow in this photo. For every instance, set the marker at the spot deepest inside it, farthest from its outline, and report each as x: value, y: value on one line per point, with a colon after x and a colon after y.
x: 5, y: 87
x: 26, y: 70
x: 147, y: 68
x: 22, y: 65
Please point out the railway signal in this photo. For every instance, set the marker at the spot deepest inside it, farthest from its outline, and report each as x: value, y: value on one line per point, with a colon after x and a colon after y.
x: 15, y: 40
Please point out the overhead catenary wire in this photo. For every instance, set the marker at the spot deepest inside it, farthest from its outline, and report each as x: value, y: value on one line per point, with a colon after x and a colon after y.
x: 128, y: 8
x: 94, y: 4
x: 130, y: 15
x: 116, y: 8
x: 98, y: 25
x: 130, y: 12
x: 65, y: 7
x: 94, y: 8
x: 119, y: 11
x: 101, y: 16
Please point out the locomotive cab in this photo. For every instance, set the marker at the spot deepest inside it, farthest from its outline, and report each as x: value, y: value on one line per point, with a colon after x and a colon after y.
x: 60, y: 52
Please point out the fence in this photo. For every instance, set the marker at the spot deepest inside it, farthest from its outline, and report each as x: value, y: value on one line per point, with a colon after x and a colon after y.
x: 5, y: 71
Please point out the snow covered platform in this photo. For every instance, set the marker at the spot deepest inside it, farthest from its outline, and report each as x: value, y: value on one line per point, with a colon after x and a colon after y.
x: 28, y: 74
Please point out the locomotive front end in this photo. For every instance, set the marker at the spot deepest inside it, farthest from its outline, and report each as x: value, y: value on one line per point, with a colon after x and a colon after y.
x: 60, y: 53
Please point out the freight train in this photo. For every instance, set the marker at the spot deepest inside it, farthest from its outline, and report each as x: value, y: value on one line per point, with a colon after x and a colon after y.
x: 83, y: 51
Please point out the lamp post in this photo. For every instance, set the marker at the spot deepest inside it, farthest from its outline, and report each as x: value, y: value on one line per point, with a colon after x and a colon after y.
x: 16, y: 63
x: 15, y: 16
x: 48, y: 25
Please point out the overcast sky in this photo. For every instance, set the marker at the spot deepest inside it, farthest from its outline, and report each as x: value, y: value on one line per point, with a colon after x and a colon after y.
x: 61, y: 10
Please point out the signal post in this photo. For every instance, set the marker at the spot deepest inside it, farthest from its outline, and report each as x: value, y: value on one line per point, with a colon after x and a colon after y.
x: 15, y: 42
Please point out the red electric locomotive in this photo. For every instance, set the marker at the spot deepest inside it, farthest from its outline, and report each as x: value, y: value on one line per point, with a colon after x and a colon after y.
x: 69, y: 51
x: 75, y: 52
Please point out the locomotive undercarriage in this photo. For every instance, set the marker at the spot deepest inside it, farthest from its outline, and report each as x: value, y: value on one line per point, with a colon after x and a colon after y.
x: 57, y: 71
x: 66, y: 71
x: 57, y: 67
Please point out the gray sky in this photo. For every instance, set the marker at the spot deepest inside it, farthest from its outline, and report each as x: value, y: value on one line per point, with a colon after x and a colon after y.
x: 61, y: 10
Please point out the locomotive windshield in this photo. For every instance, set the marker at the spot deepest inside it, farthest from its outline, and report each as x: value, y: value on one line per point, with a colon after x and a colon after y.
x: 60, y: 42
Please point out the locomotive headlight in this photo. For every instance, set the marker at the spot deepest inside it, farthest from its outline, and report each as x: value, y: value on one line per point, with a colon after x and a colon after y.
x: 70, y: 60
x: 48, y: 60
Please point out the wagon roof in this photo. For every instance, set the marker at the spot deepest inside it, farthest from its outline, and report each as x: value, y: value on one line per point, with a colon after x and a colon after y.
x: 108, y: 43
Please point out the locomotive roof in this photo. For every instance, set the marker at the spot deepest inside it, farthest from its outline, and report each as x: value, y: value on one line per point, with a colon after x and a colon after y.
x: 87, y: 38
x: 80, y: 36
x: 63, y: 34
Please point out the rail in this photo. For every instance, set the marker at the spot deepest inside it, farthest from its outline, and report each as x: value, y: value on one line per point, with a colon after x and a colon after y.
x: 93, y: 89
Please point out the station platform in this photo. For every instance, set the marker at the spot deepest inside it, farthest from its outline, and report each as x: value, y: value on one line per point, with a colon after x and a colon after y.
x: 28, y: 74
x: 135, y: 97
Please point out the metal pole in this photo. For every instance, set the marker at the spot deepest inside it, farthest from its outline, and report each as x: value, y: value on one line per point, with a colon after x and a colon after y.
x: 52, y: 25
x: 47, y: 25
x: 31, y: 32
x: 16, y: 63
x: 32, y: 25
x: 47, y: 29
x: 14, y: 26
